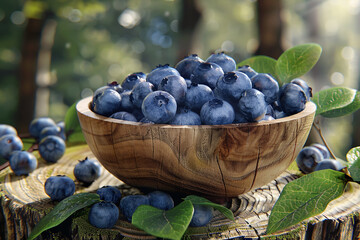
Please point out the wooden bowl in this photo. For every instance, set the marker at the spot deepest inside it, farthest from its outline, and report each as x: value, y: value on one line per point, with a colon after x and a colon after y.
x: 208, y: 160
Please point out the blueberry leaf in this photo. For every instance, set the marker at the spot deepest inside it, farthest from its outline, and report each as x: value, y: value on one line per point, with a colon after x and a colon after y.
x: 305, y: 197
x: 72, y: 126
x: 170, y: 224
x: 203, y: 201
x: 353, y: 157
x: 297, y: 61
x: 335, y: 102
x: 261, y: 64
x: 348, y: 109
x: 63, y: 210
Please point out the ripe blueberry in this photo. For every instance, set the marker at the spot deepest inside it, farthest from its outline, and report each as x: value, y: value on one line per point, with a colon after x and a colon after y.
x: 329, y: 164
x: 266, y: 84
x: 217, y: 112
x: 38, y: 124
x: 133, y: 79
x: 308, y: 158
x: 139, y: 92
x: 185, y: 116
x: 202, y: 215
x: 176, y: 86
x: 22, y: 162
x: 252, y: 105
x: 323, y: 149
x: 122, y: 115
x: 7, y: 129
x: 130, y: 203
x: 226, y: 62
x: 103, y: 214
x: 59, y: 187
x: 161, y: 200
x: 159, y: 107
x: 52, y: 148
x: 207, y: 73
x: 87, y: 170
x: 197, y: 95
x: 109, y: 194
x: 52, y: 131
x: 187, y: 65
x: 292, y: 98
x: 304, y: 86
x: 106, y: 101
x: 8, y: 144
x: 247, y: 70
x: 161, y: 71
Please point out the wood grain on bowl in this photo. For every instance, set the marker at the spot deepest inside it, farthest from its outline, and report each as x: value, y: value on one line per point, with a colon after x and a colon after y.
x: 209, y: 160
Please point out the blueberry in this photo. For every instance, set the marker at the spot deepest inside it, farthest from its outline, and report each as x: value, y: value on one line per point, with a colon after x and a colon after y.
x: 304, y: 86
x: 270, y: 111
x: 22, y: 162
x: 137, y: 113
x: 187, y: 65
x: 292, y: 98
x: 176, y: 86
x: 87, y: 170
x: 217, y: 112
x: 106, y: 101
x: 159, y: 107
x: 59, y: 187
x: 266, y: 84
x: 139, y: 92
x: 51, y: 148
x: 207, y: 73
x: 37, y: 125
x: 323, y: 149
x: 7, y: 129
x: 161, y: 200
x: 129, y: 204
x: 61, y: 125
x: 252, y: 105
x: 8, y: 144
x: 230, y: 86
x: 197, y: 95
x: 103, y: 214
x: 122, y: 115
x: 133, y: 79
x: 202, y: 215
x: 267, y: 118
x: 116, y: 86
x: 247, y: 70
x: 226, y: 62
x: 126, y: 104
x: 52, y: 131
x: 185, y: 116
x: 161, y: 71
x: 145, y: 120
x: 109, y: 194
x: 329, y: 164
x: 308, y: 158
x: 239, y: 118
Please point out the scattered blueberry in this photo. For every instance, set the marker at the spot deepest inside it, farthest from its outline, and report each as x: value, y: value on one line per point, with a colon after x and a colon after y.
x: 207, y: 73
x: 103, y: 214
x: 187, y: 65
x: 159, y: 107
x: 323, y: 149
x: 22, y: 162
x: 226, y: 62
x: 8, y: 144
x: 52, y: 148
x: 7, y: 129
x: 52, y: 131
x: 38, y: 124
x: 202, y: 215
x: 252, y: 105
x: 87, y: 170
x: 329, y: 164
x: 266, y: 84
x: 122, y: 115
x: 129, y: 204
x: 133, y: 79
x: 217, y: 112
x: 59, y: 187
x: 161, y: 71
x: 109, y: 194
x: 308, y: 158
x: 161, y: 200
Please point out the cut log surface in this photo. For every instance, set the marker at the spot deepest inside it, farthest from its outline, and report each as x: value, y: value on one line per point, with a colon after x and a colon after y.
x: 24, y: 203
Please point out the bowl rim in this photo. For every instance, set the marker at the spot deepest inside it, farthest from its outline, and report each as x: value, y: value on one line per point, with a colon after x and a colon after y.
x: 83, y: 107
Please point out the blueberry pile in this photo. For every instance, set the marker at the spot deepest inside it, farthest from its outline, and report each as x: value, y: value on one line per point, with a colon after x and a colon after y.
x: 195, y: 92
x: 316, y: 157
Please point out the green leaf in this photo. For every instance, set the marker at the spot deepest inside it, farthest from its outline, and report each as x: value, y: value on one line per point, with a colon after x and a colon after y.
x: 297, y: 61
x: 333, y: 101
x: 353, y: 157
x: 170, y: 224
x: 261, y: 64
x: 63, y: 210
x: 305, y: 197
x: 203, y: 201
x: 348, y: 109
x: 72, y: 126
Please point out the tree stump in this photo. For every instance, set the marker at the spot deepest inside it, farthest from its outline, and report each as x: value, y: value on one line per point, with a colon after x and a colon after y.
x: 24, y: 203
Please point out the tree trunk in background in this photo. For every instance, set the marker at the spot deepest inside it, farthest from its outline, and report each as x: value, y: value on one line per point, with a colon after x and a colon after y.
x: 27, y: 74
x: 270, y: 28
x: 189, y: 18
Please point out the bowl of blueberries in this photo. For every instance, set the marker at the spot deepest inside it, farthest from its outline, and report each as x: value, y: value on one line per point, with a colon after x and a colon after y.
x: 203, y: 127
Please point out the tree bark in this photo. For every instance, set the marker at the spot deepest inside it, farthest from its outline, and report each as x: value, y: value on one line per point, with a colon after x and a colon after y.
x: 23, y: 203
x: 270, y: 28
x: 189, y: 19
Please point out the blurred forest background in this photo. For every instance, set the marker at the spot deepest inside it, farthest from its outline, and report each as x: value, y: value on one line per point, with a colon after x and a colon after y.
x: 53, y: 53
